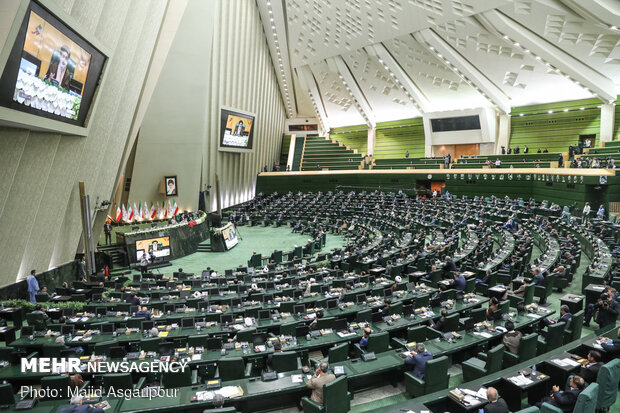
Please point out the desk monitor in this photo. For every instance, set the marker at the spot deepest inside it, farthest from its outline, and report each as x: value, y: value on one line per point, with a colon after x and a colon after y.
x: 497, y: 315
x: 214, y: 343
x: 387, y: 292
x: 377, y: 317
x: 102, y: 311
x: 169, y: 308
x: 235, y: 302
x: 146, y: 325
x: 372, y: 279
x: 196, y: 284
x: 361, y: 298
x: 469, y: 324
x: 185, y: 294
x: 408, y: 309
x: 435, y: 302
x: 27, y: 331
x: 203, y: 305
x: 270, y: 285
x: 340, y: 324
x: 299, y: 309
x: 410, y: 287
x: 226, y: 318
x: 66, y: 329
x: 117, y: 352
x: 97, y: 297
x: 166, y: 348
x: 301, y: 331
x: 133, y: 309
x: 187, y: 322
x: 324, y: 289
x: 267, y: 298
x: 331, y: 304
x: 107, y: 328
x: 264, y: 314
x: 258, y: 339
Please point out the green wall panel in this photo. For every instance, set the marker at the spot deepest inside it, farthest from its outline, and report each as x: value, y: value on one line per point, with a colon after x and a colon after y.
x: 397, y: 137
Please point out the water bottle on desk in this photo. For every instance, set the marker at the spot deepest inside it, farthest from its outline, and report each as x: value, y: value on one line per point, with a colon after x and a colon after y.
x: 534, y: 369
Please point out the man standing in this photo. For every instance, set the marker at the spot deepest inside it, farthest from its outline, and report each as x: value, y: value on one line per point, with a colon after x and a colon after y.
x: 107, y: 229
x: 33, y: 286
x: 496, y: 404
x: 417, y: 360
x: 316, y: 383
x: 82, y: 267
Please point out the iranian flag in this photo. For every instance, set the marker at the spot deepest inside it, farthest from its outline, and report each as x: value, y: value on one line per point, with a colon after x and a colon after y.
x: 136, y: 212
x: 147, y: 212
x: 119, y: 213
x: 130, y: 212
x: 175, y: 208
x: 140, y: 211
x: 124, y: 214
x: 153, y: 211
x: 164, y: 209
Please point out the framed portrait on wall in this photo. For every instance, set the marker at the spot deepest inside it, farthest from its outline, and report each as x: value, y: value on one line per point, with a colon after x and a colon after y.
x: 171, y: 185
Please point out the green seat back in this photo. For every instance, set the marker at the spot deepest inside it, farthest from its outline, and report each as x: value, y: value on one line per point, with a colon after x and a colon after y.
x: 326, y: 322
x: 135, y: 322
x: 246, y: 334
x: 287, y: 307
x: 378, y: 342
x: 436, y: 375
x: 288, y: 329
x: 60, y: 383
x: 52, y: 350
x: 284, y: 361
x: 494, y: 359
x: 470, y: 285
x: 6, y: 394
x: 178, y: 379
x: 338, y: 353
x: 452, y: 322
x: 397, y: 308
x: 277, y: 256
x: 576, y: 325
x: 151, y: 344
x: 364, y: 316
x: 103, y: 349
x: 555, y: 336
x: 416, y: 334
x: 197, y: 341
x: 527, y: 347
x: 528, y: 296
x: 37, y: 321
x: 117, y: 381
x: 232, y: 368
x: 607, y: 380
x: 335, y: 395
x: 586, y: 402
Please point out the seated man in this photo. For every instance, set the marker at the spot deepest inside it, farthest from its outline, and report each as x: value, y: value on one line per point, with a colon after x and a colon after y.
x: 612, y: 347
x: 496, y: 404
x: 277, y: 348
x: 133, y: 300
x: 364, y: 340
x: 449, y: 267
x: 318, y: 380
x: 565, y: 317
x: 143, y: 312
x: 519, y: 292
x: 493, y: 307
x: 484, y: 279
x: 565, y: 400
x: 591, y: 366
x: 385, y: 311
x: 38, y: 309
x: 439, y: 324
x: 44, y: 292
x: 560, y: 271
x: 78, y: 407
x: 512, y: 338
x: 537, y: 277
x: 417, y: 360
x: 459, y: 282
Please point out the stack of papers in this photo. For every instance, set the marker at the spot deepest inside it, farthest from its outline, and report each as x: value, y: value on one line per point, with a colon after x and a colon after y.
x: 483, y: 334
x: 520, y: 380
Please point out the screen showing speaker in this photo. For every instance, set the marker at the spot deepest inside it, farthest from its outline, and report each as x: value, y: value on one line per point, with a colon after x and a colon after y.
x: 51, y: 71
x: 237, y: 131
x: 229, y: 233
x: 154, y: 247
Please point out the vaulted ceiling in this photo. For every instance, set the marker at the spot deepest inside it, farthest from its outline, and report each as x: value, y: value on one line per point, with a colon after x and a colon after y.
x: 351, y: 62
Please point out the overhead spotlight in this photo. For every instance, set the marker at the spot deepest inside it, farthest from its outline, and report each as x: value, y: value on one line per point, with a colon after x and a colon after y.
x: 565, y: 110
x: 582, y: 108
x: 614, y: 27
x: 550, y: 112
x: 520, y: 114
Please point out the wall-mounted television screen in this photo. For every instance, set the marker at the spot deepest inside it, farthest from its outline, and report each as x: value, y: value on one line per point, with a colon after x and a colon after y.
x: 52, y: 71
x: 229, y: 233
x: 456, y: 123
x: 154, y: 247
x: 237, y: 131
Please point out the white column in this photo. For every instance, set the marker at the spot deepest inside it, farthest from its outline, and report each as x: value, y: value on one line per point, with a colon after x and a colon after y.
x: 608, y: 115
x: 291, y: 153
x: 372, y: 139
x: 503, y: 133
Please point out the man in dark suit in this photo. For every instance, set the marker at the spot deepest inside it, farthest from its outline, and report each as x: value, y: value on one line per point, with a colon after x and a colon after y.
x: 565, y: 400
x: 58, y: 71
x: 449, y: 266
x: 78, y: 407
x: 565, y: 317
x: 439, y: 324
x: 591, y: 366
x: 496, y: 404
x: 612, y: 347
x: 417, y: 360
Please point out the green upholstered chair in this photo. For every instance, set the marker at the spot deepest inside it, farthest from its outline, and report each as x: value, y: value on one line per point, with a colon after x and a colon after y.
x: 7, y: 397
x: 285, y: 361
x: 37, y: 321
x: 452, y: 322
x: 364, y: 316
x: 397, y: 308
x: 59, y: 383
x: 415, y: 334
x: 336, y: 398
x: 197, y: 341
x: 326, y: 322
x: 435, y: 378
x: 607, y: 380
x: 121, y: 381
x: 586, y: 402
x: 551, y: 338
x: 335, y: 354
x: 288, y: 329
x: 377, y: 343
x: 543, y: 292
x: 532, y: 409
x: 527, y: 350
x: 573, y: 330
x: 103, y: 348
x: 484, y: 364
x: 185, y: 377
x: 470, y: 285
x: 246, y: 334
x: 233, y: 368
x: 151, y: 344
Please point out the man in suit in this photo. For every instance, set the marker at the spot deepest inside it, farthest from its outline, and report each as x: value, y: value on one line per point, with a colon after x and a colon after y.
x: 565, y: 317
x: 316, y: 383
x: 277, y: 348
x: 33, y: 286
x: 143, y: 312
x: 591, y: 366
x: 439, y: 324
x: 565, y: 400
x: 78, y: 407
x: 364, y: 340
x: 417, y: 360
x: 612, y: 347
x: 107, y: 229
x: 608, y: 311
x: 496, y: 404
x: 537, y: 277
x: 58, y: 71
x: 512, y: 338
x: 449, y: 266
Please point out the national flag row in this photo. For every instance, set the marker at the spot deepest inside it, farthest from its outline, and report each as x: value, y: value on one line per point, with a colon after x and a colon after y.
x: 142, y: 212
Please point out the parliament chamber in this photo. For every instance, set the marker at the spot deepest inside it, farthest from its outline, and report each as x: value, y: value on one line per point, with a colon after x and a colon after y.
x: 320, y: 206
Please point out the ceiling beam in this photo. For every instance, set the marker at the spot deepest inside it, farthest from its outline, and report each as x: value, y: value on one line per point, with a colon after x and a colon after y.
x: 395, y: 70
x: 574, y: 69
x: 605, y: 13
x: 274, y: 25
x: 308, y: 82
x: 338, y: 65
x: 461, y: 66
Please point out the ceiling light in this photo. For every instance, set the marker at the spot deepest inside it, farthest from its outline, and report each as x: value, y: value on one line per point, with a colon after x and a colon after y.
x: 550, y: 112
x: 581, y: 108
x: 520, y: 114
x: 565, y: 110
x: 614, y: 28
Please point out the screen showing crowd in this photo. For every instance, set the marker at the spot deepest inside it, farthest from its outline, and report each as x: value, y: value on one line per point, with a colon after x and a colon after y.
x: 237, y: 131
x: 52, y: 71
x: 154, y: 247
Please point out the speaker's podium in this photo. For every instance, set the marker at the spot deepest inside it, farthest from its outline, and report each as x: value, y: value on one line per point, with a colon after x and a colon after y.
x: 224, y: 238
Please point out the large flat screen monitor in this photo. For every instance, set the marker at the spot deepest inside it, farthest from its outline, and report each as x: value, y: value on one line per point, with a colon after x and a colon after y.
x: 229, y: 233
x: 52, y: 71
x: 236, y: 130
x: 156, y: 247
